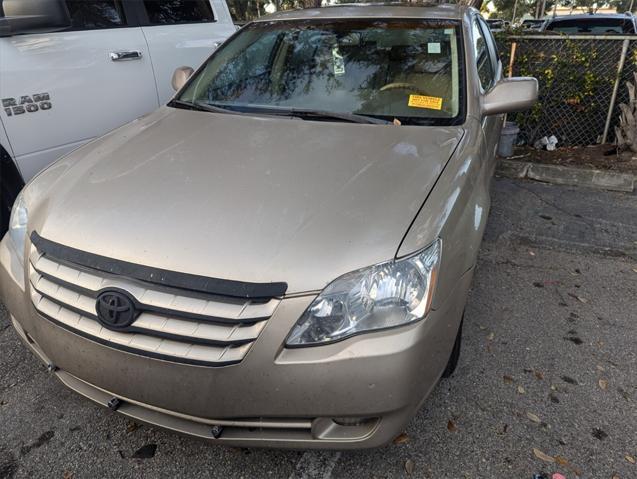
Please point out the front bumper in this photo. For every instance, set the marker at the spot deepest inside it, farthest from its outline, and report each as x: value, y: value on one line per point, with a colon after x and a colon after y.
x: 371, y: 384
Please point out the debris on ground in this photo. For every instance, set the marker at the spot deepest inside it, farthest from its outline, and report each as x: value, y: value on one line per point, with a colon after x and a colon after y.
x: 409, y: 466
x: 132, y: 427
x: 533, y: 417
x: 543, y: 456
x: 578, y: 156
x: 548, y: 143
x: 402, y: 438
x: 451, y: 426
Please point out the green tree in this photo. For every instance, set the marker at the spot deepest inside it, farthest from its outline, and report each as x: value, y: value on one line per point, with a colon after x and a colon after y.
x: 592, y: 6
x: 504, y: 8
x: 623, y: 5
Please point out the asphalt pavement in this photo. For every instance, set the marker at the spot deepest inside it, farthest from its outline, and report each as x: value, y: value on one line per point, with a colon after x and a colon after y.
x: 547, y: 380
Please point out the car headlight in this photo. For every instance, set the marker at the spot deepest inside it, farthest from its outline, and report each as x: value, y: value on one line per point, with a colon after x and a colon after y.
x: 18, y: 225
x: 378, y: 297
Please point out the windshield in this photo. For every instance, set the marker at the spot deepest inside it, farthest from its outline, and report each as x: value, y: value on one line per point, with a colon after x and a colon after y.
x: 406, y: 70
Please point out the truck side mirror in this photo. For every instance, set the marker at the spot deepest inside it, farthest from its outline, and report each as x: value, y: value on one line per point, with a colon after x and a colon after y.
x: 180, y: 77
x: 33, y: 16
x: 510, y: 95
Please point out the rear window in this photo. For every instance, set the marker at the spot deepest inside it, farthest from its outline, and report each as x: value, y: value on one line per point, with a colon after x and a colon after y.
x: 594, y: 26
x: 172, y: 12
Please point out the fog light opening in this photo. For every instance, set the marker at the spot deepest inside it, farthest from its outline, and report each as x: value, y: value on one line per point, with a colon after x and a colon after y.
x: 354, y: 421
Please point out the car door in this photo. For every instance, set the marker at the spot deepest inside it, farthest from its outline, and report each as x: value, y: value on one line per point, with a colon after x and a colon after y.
x: 493, y: 125
x: 489, y: 72
x: 85, y: 81
x: 182, y: 33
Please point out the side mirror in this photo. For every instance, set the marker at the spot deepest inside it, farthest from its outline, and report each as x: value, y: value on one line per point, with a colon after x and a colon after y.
x: 510, y: 95
x: 33, y: 16
x: 180, y: 77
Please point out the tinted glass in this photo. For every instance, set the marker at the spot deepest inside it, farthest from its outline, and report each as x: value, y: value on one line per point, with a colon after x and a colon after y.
x: 486, y: 72
x: 404, y: 69
x: 491, y: 43
x: 95, y: 14
x: 596, y: 26
x: 171, y: 12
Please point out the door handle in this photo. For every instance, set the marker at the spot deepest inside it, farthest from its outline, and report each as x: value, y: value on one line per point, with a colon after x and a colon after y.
x: 126, y: 56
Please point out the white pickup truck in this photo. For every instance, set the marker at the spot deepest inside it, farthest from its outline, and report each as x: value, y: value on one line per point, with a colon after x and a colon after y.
x: 71, y: 70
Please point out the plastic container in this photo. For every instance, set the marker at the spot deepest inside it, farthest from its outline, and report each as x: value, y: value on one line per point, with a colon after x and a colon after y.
x: 508, y: 139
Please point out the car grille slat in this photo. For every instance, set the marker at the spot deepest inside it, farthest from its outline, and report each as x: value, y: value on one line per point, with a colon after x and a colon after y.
x: 172, y: 325
x: 91, y: 284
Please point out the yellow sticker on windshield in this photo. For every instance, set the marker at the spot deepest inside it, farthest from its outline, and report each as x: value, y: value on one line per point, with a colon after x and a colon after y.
x: 421, y: 101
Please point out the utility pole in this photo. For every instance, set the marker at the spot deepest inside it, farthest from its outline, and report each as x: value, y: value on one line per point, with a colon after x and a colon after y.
x: 515, y: 7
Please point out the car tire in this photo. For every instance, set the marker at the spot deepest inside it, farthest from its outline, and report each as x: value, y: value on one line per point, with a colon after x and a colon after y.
x: 455, y: 353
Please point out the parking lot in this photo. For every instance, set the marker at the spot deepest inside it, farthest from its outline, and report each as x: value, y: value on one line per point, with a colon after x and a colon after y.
x: 548, y: 364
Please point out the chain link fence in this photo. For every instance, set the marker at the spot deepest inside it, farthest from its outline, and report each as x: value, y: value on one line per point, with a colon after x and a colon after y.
x: 582, y: 82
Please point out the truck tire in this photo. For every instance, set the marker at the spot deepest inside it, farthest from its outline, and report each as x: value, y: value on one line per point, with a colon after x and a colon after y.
x: 10, y: 185
x: 5, y: 212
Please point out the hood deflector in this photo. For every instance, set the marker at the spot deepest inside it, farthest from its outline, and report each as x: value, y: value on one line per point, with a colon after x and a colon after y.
x: 162, y: 277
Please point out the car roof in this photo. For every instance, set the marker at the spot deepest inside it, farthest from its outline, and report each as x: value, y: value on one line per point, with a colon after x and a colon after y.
x: 374, y: 10
x: 588, y: 16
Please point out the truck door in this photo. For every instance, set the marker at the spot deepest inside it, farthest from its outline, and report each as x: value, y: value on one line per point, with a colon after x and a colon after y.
x: 182, y: 33
x: 60, y: 90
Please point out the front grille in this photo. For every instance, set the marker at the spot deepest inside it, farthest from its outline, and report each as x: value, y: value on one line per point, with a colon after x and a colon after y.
x: 174, y: 324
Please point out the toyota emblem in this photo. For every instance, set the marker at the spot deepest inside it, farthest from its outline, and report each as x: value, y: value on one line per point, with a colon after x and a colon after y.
x: 115, y: 309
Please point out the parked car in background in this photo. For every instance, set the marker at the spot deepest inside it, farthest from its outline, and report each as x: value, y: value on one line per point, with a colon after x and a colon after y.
x: 281, y: 255
x: 593, y: 24
x: 71, y: 70
x: 532, y: 23
x: 497, y: 25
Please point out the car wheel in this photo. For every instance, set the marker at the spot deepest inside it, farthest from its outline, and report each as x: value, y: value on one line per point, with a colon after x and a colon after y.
x: 455, y: 353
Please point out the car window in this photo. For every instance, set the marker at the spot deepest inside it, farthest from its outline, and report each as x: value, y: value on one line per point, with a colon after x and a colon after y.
x: 492, y: 45
x: 486, y: 70
x: 596, y: 26
x: 95, y: 14
x: 172, y: 12
x: 404, y: 69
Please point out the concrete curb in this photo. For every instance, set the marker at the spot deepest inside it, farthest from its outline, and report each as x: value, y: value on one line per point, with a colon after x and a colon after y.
x: 562, y: 175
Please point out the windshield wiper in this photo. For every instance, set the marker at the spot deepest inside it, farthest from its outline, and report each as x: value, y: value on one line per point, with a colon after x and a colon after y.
x: 334, y: 115
x: 199, y: 106
x: 295, y: 112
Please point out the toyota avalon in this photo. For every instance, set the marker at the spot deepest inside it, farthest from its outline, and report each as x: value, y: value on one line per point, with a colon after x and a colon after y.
x: 281, y: 255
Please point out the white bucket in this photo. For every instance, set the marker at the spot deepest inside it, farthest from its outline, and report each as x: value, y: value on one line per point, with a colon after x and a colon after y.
x: 508, y: 139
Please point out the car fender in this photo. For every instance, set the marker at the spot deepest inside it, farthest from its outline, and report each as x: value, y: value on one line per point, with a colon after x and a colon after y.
x: 455, y: 210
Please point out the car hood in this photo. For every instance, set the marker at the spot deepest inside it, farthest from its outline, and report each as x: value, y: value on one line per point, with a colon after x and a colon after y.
x: 255, y: 199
